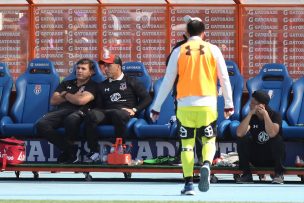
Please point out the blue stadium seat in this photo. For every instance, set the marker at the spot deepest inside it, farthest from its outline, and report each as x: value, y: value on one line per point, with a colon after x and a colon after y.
x: 274, y: 79
x: 237, y: 84
x: 34, y: 89
x: 162, y: 128
x: 97, y: 77
x: 294, y: 128
x: 138, y: 70
x: 132, y: 69
x: 6, y: 84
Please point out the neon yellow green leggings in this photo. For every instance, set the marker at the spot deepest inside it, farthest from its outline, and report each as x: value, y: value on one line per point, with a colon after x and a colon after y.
x: 196, y: 117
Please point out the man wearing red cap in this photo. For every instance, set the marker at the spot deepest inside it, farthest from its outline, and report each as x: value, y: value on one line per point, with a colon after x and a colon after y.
x: 198, y: 65
x: 260, y: 139
x: 119, y: 98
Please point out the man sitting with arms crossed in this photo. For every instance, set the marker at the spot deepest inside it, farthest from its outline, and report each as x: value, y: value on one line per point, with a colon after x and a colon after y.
x: 73, y: 99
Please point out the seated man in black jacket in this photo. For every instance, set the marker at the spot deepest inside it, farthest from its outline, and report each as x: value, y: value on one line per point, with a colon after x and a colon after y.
x: 119, y: 98
x: 73, y: 99
x: 260, y: 139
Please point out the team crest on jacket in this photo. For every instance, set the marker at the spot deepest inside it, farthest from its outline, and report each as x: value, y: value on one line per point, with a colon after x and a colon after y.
x: 37, y: 89
x: 263, y: 137
x: 115, y: 97
x: 81, y: 89
x: 123, y: 86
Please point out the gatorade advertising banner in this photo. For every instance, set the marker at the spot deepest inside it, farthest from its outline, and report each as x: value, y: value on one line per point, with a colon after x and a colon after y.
x: 220, y: 24
x: 14, y: 39
x: 147, y: 34
x: 66, y: 35
x: 136, y: 34
x: 273, y: 35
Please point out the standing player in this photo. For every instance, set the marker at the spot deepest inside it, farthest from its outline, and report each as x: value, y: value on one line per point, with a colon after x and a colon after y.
x: 198, y: 65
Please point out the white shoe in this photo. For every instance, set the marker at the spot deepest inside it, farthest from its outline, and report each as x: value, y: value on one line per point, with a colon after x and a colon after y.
x: 188, y: 189
x: 92, y: 157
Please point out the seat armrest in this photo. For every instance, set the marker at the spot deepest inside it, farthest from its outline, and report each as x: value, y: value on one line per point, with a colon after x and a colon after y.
x: 4, y: 121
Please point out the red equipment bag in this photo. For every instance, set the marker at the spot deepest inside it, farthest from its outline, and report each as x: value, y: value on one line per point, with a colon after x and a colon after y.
x: 118, y: 156
x: 12, y: 151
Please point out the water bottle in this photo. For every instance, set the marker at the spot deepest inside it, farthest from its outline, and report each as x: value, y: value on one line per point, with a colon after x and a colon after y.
x: 298, y: 160
x: 120, y: 149
x: 112, y: 149
x: 104, y: 154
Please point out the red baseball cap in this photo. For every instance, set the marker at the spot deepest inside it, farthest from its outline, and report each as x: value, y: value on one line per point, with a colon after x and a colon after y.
x: 111, y: 59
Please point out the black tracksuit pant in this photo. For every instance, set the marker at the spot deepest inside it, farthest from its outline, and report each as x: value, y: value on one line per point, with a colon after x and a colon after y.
x: 270, y: 154
x: 70, y: 119
x: 117, y: 117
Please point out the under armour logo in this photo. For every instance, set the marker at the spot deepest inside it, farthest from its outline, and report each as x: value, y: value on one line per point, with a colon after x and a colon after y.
x: 255, y: 126
x: 107, y: 89
x: 183, y: 132
x: 69, y: 87
x: 188, y: 50
x: 208, y: 131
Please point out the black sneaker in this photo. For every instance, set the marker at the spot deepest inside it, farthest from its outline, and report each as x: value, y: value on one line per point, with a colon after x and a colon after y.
x: 73, y: 159
x: 244, y: 179
x: 278, y: 179
x: 62, y: 158
x: 262, y: 177
x: 69, y: 157
x: 200, y: 162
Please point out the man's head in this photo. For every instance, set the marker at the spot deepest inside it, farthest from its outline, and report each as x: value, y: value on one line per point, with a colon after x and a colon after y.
x: 259, y: 97
x: 113, y: 66
x: 84, y: 69
x: 195, y: 26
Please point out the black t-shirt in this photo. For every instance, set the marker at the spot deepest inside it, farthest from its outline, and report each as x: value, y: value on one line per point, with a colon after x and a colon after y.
x: 257, y: 127
x: 71, y: 87
x: 125, y: 93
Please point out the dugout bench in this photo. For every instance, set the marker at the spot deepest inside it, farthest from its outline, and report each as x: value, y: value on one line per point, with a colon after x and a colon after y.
x: 128, y: 170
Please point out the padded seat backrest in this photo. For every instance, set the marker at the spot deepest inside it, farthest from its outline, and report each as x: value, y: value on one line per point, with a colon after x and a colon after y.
x: 237, y: 84
x: 295, y: 112
x: 167, y: 109
x: 138, y: 70
x: 6, y: 84
x: 274, y: 79
x: 34, y: 89
x: 97, y: 77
